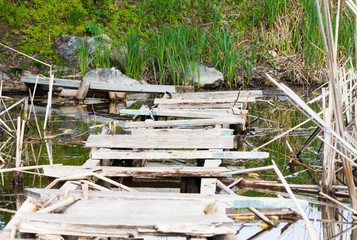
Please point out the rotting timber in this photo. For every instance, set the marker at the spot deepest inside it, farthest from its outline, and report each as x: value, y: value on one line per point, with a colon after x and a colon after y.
x: 90, y: 202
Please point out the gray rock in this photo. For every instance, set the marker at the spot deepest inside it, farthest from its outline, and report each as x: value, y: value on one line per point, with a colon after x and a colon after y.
x: 209, y: 77
x: 109, y: 75
x: 66, y: 47
x: 4, y: 76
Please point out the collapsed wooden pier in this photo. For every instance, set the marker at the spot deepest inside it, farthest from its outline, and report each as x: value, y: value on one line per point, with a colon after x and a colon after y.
x: 92, y: 201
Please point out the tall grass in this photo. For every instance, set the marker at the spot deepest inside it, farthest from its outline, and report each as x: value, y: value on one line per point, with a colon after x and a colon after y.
x: 136, y: 55
x: 170, y: 52
x: 84, y: 57
x: 175, y: 51
x: 225, y: 54
x: 101, y: 53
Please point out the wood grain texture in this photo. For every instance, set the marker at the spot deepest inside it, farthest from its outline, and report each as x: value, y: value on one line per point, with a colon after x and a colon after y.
x: 161, y: 142
x: 63, y: 171
x: 183, y: 123
x: 175, y: 154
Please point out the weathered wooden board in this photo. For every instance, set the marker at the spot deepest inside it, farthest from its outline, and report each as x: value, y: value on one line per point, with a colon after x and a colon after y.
x: 217, y: 94
x: 182, y: 123
x: 161, y: 142
x: 180, y: 131
x: 208, y: 100
x: 197, y: 106
x: 190, y: 113
x: 108, y: 208
x: 63, y: 171
x: 126, y: 226
x: 112, y: 87
x: 229, y: 201
x: 173, y: 154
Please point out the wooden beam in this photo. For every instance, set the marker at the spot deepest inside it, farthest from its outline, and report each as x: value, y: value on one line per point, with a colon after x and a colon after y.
x: 229, y: 201
x: 197, y: 105
x: 180, y: 131
x: 218, y: 94
x: 173, y: 154
x: 190, y: 113
x: 128, y: 226
x: 208, y: 100
x: 161, y: 142
x: 112, y: 87
x: 182, y: 123
x: 64, y: 171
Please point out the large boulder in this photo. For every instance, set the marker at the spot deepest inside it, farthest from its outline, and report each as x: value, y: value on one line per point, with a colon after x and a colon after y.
x: 208, y: 77
x: 66, y: 47
x: 111, y: 75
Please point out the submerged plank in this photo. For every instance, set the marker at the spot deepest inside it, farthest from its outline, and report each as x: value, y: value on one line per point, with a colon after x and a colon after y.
x: 172, y: 154
x: 64, y: 171
x: 126, y: 226
x: 161, y: 142
x: 112, y: 87
x: 182, y: 123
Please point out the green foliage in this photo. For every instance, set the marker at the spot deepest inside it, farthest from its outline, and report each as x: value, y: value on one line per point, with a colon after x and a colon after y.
x: 136, y: 55
x: 163, y: 37
x: 84, y: 57
x: 225, y: 54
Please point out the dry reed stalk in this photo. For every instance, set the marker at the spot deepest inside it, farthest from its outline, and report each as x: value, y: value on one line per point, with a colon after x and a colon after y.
x: 283, y: 134
x: 247, y: 170
x: 327, y: 180
x: 18, y: 141
x: 311, y: 230
x: 49, y: 102
x: 32, y: 108
x: 338, y: 203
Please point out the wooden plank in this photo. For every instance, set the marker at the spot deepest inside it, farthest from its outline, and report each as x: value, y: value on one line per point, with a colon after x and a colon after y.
x: 208, y: 186
x: 126, y: 226
x: 173, y: 154
x: 182, y: 123
x: 208, y: 100
x: 181, y: 131
x: 64, y: 171
x: 230, y: 201
x: 218, y: 94
x: 190, y: 113
x: 83, y: 89
x: 136, y: 207
x: 91, y: 163
x: 197, y: 106
x: 161, y: 142
x: 112, y: 87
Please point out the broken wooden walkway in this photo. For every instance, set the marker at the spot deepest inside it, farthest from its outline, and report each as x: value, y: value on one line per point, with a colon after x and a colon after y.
x: 92, y: 203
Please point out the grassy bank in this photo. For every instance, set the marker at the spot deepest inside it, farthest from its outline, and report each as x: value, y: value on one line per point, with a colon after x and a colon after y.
x: 164, y: 37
